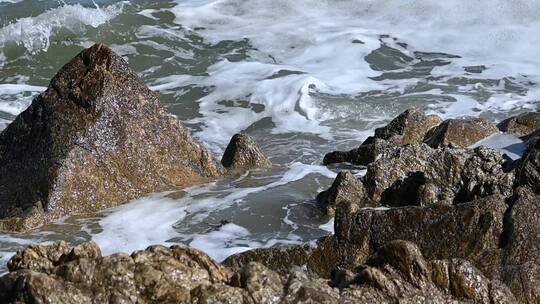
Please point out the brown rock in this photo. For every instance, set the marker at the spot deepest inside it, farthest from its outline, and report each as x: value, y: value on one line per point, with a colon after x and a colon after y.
x: 242, y: 153
x: 263, y: 284
x: 460, y: 132
x: 345, y: 188
x: 155, y: 275
x: 319, y: 260
x: 521, y: 125
x: 468, y: 231
x: 528, y: 172
x: 419, y: 175
x: 96, y: 138
x: 409, y: 127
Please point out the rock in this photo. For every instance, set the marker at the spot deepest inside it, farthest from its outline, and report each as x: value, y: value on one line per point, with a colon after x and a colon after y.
x: 399, y: 273
x: 220, y: 294
x: 419, y: 175
x: 318, y: 260
x: 528, y: 172
x: 157, y: 274
x: 263, y: 284
x: 96, y: 138
x: 521, y: 125
x: 460, y: 132
x: 345, y: 188
x: 522, y: 246
x: 409, y: 127
x: 468, y: 231
x: 412, y: 125
x: 242, y: 153
x: 302, y: 289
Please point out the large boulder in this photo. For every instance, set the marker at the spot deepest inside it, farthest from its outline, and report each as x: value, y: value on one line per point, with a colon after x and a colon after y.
x: 528, y: 172
x: 318, y: 260
x: 460, y: 132
x: 419, y: 175
x: 345, y: 188
x: 468, y: 231
x: 96, y: 138
x: 399, y: 273
x: 521, y: 125
x: 409, y: 127
x: 155, y: 275
x: 242, y: 153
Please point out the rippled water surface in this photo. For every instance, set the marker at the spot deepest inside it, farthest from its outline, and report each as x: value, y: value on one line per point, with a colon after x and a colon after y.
x: 302, y: 77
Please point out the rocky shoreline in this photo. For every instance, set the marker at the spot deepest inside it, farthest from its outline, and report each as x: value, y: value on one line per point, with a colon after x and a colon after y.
x: 431, y: 221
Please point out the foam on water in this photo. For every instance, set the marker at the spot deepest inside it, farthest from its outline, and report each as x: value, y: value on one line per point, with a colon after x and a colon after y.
x: 508, y: 144
x: 323, y: 45
x: 35, y: 33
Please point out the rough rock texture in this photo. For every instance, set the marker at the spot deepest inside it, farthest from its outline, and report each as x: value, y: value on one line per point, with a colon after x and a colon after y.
x: 396, y: 273
x: 409, y: 127
x: 82, y: 275
x: 522, y: 246
x: 528, y: 172
x: 521, y: 125
x: 412, y: 125
x: 469, y: 231
x: 399, y: 273
x: 460, y: 132
x: 345, y: 188
x: 96, y: 138
x: 242, y: 153
x: 318, y: 260
x: 419, y: 175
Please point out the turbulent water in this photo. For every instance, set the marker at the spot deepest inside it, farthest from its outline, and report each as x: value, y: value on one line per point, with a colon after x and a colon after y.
x: 302, y: 77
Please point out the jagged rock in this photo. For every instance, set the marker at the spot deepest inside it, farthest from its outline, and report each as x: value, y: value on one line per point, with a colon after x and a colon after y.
x: 412, y: 125
x: 318, y: 260
x: 220, y: 294
x: 345, y: 188
x: 157, y: 274
x: 419, y: 175
x: 302, y: 289
x: 522, y: 246
x: 528, y: 172
x: 409, y: 127
x: 263, y: 284
x: 242, y: 153
x: 469, y: 231
x: 521, y: 125
x: 96, y: 138
x: 460, y: 132
x: 399, y: 273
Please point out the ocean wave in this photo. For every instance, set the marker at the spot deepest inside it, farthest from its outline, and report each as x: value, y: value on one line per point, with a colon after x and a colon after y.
x: 35, y: 33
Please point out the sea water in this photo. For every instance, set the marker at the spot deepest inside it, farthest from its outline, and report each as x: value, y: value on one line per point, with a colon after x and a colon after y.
x: 302, y: 77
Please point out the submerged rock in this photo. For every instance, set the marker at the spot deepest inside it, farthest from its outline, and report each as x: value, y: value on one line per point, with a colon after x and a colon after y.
x: 460, y: 132
x: 521, y: 125
x: 96, y: 138
x: 242, y: 153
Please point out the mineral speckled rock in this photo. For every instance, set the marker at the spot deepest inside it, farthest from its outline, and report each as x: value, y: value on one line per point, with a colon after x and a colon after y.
x: 528, y: 172
x: 419, y: 175
x: 521, y: 125
x: 460, y: 132
x: 409, y: 127
x: 96, y: 138
x: 242, y: 153
x: 345, y: 188
x: 469, y: 231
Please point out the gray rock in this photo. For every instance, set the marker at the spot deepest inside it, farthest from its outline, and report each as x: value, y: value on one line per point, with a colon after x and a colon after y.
x: 521, y: 125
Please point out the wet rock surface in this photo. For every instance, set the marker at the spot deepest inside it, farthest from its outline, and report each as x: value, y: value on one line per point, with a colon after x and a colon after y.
x: 242, y: 153
x: 521, y: 125
x: 96, y: 138
x: 397, y: 272
x: 460, y: 132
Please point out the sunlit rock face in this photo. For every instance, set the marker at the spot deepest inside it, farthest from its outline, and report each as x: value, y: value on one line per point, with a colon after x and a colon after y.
x: 96, y: 138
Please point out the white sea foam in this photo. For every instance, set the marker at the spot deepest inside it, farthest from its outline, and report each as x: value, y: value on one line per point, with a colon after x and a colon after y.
x: 315, y: 39
x: 151, y: 220
x: 15, y: 98
x: 35, y: 33
x: 508, y: 144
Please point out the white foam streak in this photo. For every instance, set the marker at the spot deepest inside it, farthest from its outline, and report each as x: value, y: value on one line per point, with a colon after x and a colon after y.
x: 35, y: 33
